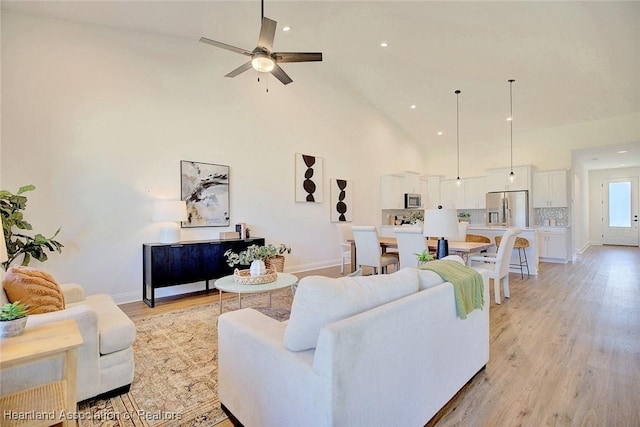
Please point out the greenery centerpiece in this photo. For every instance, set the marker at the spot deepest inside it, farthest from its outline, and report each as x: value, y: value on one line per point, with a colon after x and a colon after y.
x: 11, y: 210
x: 423, y: 256
x: 416, y: 217
x: 13, y: 318
x: 256, y: 256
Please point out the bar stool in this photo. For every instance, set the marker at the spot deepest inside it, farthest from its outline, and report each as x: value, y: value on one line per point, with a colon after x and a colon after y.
x: 521, y: 244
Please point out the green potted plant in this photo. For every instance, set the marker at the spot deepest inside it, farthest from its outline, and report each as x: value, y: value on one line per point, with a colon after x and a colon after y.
x: 464, y: 216
x: 13, y: 319
x: 256, y: 256
x: 11, y: 207
x: 423, y: 256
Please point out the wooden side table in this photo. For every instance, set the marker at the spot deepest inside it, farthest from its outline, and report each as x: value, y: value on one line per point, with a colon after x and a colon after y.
x: 51, y: 403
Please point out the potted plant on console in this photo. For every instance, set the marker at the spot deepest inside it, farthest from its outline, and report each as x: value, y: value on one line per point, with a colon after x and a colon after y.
x: 13, y: 319
x: 258, y: 257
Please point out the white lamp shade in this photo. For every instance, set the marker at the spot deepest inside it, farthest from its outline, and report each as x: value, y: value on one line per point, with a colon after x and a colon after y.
x: 441, y: 223
x: 3, y: 248
x: 169, y: 210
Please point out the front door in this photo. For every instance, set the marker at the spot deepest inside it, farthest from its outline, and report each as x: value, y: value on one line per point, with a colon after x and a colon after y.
x: 620, y: 211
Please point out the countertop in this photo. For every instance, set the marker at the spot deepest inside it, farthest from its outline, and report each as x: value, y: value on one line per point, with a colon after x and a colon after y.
x: 496, y: 227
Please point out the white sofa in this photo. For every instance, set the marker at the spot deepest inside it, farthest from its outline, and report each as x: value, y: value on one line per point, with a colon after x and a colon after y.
x: 105, y: 359
x: 398, y: 363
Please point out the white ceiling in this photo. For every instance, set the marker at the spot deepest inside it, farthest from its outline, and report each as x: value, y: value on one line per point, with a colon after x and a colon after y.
x: 573, y: 62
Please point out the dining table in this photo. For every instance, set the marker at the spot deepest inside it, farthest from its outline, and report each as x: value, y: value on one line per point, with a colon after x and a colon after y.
x: 457, y: 248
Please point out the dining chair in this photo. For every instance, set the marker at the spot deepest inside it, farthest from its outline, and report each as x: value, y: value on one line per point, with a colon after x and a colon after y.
x: 411, y: 241
x: 500, y: 262
x: 521, y: 244
x: 368, y: 250
x: 344, y: 231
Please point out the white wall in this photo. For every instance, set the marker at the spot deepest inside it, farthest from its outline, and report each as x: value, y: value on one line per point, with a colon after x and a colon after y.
x: 99, y: 120
x: 596, y: 178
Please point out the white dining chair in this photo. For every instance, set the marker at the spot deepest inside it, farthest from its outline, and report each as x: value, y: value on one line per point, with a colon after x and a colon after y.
x: 500, y: 262
x: 345, y: 233
x: 368, y: 251
x: 411, y: 241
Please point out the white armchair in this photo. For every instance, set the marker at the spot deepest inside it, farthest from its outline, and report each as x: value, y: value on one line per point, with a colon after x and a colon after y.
x: 105, y: 359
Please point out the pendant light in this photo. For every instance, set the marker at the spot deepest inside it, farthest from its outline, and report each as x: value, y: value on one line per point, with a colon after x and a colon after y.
x: 457, y: 92
x: 512, y: 176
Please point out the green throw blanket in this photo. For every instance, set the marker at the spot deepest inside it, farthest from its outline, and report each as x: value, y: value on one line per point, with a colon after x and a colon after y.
x: 468, y: 287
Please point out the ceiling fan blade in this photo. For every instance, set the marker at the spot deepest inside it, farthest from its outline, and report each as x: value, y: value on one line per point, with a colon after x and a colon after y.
x: 226, y: 46
x: 241, y: 69
x: 267, y: 34
x: 281, y: 75
x: 297, y: 56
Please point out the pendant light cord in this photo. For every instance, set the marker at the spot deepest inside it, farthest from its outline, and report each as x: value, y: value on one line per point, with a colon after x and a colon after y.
x: 511, y: 118
x: 457, y: 92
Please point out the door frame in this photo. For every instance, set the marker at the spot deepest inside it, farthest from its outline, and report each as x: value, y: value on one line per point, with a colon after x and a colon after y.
x: 633, y: 238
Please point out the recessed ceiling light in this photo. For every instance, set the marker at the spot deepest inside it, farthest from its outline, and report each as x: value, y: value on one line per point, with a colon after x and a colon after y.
x: 286, y: 28
x: 509, y: 119
x: 440, y: 132
x: 413, y: 106
x: 384, y: 44
x: 622, y: 151
x: 621, y: 164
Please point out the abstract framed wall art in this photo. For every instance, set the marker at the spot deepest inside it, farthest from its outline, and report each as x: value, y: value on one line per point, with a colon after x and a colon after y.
x: 308, y: 180
x: 340, y: 197
x: 205, y: 188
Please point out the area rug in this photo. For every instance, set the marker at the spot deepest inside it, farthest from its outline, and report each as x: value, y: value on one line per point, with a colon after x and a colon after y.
x: 176, y: 358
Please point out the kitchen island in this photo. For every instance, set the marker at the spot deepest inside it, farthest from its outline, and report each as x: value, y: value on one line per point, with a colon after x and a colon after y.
x: 531, y: 234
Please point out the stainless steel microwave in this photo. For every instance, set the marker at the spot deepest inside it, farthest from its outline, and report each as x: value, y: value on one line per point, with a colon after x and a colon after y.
x: 412, y: 201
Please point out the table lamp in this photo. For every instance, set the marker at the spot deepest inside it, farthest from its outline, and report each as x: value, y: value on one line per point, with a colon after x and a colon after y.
x: 441, y: 223
x: 169, y: 212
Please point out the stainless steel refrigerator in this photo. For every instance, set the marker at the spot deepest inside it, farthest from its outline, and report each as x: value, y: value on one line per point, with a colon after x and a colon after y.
x: 508, y: 208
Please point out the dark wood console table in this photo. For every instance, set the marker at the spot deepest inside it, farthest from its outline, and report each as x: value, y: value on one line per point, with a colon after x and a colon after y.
x: 170, y: 264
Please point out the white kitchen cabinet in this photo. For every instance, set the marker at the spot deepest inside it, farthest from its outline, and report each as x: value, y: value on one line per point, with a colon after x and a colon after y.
x: 553, y: 244
x: 392, y: 192
x: 550, y: 189
x: 475, y: 193
x: 412, y: 183
x: 498, y: 179
x: 451, y: 194
x: 430, y: 186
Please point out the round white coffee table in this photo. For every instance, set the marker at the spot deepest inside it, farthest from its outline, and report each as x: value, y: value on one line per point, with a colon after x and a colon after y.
x: 228, y: 284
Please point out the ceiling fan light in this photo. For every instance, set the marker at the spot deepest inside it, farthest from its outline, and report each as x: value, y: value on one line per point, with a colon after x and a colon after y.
x: 262, y: 62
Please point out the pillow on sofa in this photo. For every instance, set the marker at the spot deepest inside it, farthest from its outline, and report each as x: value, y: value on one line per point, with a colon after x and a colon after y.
x: 34, y: 287
x: 320, y: 301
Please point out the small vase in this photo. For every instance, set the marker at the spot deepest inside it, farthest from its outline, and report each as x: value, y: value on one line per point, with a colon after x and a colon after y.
x: 257, y: 268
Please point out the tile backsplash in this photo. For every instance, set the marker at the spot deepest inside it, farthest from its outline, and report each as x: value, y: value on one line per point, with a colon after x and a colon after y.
x: 561, y: 215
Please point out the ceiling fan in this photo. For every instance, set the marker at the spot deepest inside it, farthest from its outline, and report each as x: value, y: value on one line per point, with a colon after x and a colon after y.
x: 263, y: 59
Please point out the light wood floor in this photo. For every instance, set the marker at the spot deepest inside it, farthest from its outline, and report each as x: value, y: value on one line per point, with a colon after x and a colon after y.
x: 565, y: 348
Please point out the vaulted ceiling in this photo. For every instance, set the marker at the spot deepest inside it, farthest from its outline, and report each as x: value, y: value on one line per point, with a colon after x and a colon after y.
x: 573, y: 62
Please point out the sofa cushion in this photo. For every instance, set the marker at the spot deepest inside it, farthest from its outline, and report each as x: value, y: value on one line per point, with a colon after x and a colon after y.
x: 34, y: 287
x: 115, y: 329
x: 320, y: 301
